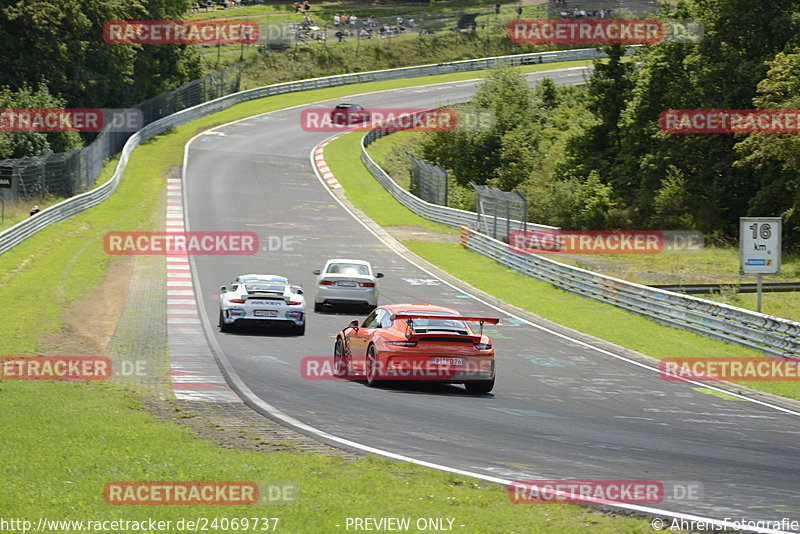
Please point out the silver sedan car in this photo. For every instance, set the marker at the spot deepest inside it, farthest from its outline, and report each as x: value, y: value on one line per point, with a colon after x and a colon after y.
x: 348, y: 282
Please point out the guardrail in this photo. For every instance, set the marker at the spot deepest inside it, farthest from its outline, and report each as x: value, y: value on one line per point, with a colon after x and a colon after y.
x: 771, y: 335
x: 764, y: 333
x: 70, y: 207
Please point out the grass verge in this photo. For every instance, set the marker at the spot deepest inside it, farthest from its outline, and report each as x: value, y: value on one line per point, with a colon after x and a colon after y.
x: 64, y: 478
x: 583, y: 314
x: 69, y: 439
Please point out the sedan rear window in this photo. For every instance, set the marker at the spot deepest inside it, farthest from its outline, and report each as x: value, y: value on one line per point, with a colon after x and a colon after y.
x: 348, y: 268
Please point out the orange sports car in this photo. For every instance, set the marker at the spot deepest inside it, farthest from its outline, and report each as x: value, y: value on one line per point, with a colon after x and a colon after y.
x: 417, y: 342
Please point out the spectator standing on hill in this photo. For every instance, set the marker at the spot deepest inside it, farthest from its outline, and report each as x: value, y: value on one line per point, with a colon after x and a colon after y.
x: 353, y: 19
x: 306, y: 6
x: 336, y: 19
x: 34, y: 211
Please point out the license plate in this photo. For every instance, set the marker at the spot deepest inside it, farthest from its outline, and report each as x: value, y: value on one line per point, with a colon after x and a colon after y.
x: 447, y: 361
x: 346, y: 284
x: 265, y: 313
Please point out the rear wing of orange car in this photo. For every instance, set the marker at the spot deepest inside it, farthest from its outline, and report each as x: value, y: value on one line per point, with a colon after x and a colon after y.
x: 412, y: 316
x: 488, y: 320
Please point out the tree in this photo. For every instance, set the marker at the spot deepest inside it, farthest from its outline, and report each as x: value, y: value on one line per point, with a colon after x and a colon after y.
x: 23, y: 144
x: 502, y: 152
x: 775, y: 158
x: 60, y: 43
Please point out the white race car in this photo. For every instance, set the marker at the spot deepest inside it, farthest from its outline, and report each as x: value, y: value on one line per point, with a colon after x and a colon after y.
x: 344, y: 281
x: 262, y: 299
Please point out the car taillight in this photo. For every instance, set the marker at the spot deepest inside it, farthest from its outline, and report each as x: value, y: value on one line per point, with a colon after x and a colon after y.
x: 326, y: 282
x: 292, y: 302
x: 239, y: 300
x: 366, y: 284
x: 402, y: 343
x: 483, y: 346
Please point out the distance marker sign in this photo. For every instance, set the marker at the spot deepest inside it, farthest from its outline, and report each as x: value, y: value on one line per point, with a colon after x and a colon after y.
x: 760, y: 245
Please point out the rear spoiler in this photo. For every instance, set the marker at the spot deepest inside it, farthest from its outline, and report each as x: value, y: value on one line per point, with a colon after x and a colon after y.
x: 412, y: 316
x: 443, y: 336
x: 265, y: 294
x: 488, y: 320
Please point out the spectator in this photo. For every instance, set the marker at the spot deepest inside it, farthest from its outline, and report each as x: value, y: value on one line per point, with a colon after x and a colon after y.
x: 340, y: 35
x: 306, y: 6
x: 519, y: 10
x: 298, y: 7
x: 344, y: 20
x: 336, y: 19
x: 411, y: 22
x: 373, y: 21
x: 353, y: 19
x: 497, y: 9
x: 34, y: 211
x: 399, y: 21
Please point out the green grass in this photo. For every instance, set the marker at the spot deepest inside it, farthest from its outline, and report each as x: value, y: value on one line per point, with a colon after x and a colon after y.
x: 708, y: 265
x: 583, y: 314
x: 363, y: 190
x: 61, y: 463
x: 785, y: 305
x: 19, y: 211
x: 389, y: 152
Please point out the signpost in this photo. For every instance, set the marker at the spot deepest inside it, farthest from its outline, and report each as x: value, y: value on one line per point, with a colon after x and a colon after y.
x: 6, y: 179
x: 760, y: 248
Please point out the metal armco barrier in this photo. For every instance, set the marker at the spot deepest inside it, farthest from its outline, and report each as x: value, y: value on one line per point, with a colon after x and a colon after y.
x: 771, y: 335
x: 66, y: 209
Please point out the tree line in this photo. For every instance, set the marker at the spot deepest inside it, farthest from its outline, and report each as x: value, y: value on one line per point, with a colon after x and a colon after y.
x: 597, y: 159
x: 53, y: 55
